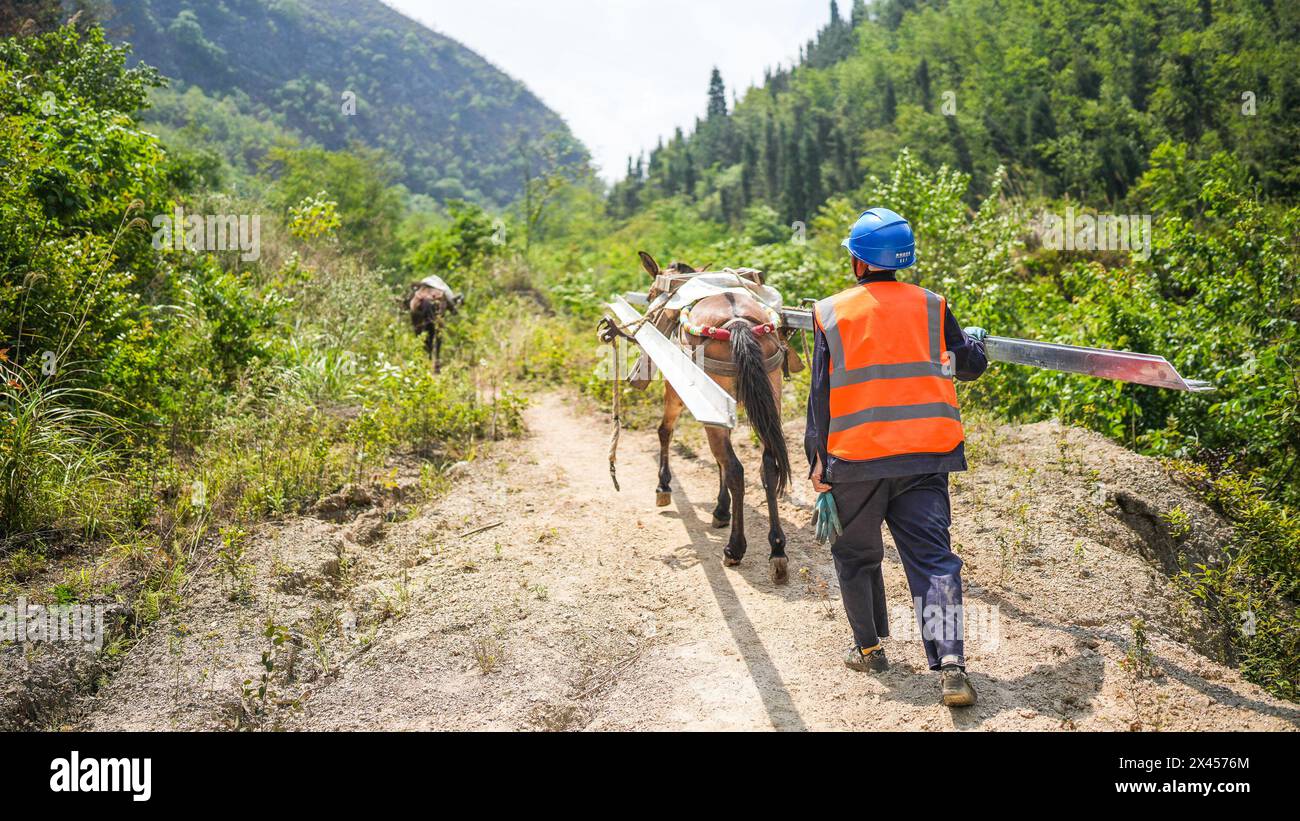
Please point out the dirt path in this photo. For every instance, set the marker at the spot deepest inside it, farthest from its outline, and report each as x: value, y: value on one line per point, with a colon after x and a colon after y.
x: 591, y: 609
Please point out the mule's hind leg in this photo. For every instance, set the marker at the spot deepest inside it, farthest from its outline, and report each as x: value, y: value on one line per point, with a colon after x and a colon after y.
x: 437, y: 349
x: 722, y: 513
x: 777, y: 561
x: 733, y: 473
x: 672, y: 409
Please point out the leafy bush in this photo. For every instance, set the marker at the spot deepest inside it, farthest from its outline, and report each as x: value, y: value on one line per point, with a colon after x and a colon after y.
x: 460, y: 250
x: 1254, y: 594
x: 358, y: 182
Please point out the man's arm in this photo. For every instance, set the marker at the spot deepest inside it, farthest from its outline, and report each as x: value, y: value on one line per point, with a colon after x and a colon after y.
x: 968, y: 351
x: 819, y: 403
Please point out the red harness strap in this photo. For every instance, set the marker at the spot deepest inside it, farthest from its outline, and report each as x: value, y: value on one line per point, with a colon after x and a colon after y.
x: 723, y: 333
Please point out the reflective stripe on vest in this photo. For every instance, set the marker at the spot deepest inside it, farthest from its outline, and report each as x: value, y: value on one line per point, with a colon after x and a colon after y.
x: 891, y: 377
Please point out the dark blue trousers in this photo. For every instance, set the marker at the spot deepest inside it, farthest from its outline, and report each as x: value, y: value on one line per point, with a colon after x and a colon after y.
x: 916, y: 508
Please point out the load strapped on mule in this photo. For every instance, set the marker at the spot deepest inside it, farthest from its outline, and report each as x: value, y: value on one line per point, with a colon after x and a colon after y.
x: 437, y: 283
x: 674, y: 347
x: 719, y: 338
x: 673, y: 295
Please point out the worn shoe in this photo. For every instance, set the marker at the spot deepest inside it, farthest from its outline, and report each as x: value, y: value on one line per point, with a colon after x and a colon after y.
x: 873, y: 662
x: 957, y: 689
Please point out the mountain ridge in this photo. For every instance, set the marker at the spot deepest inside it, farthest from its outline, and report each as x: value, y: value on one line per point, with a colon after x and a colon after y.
x: 451, y: 119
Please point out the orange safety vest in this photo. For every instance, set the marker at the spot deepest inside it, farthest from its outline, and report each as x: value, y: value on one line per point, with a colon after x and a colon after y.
x: 891, y: 376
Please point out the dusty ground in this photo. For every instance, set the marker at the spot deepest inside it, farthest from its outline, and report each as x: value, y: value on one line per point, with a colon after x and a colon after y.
x: 587, y: 608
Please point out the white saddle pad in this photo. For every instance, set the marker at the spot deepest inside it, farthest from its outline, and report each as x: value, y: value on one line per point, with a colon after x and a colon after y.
x: 435, y: 281
x: 721, y: 282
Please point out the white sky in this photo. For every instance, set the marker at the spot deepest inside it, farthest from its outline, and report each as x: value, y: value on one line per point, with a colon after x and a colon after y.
x: 622, y: 73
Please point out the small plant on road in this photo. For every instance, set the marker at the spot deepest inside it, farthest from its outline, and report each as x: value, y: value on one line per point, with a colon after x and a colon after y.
x: 234, y: 571
x: 1140, y: 662
x: 258, y: 698
x: 487, y: 654
x: 820, y: 590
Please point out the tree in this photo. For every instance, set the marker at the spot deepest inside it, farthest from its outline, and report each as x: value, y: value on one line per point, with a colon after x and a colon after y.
x: 360, y: 181
x: 922, y: 78
x: 466, y: 242
x: 771, y: 159
x: 547, y: 169
x: 717, y: 95
x: 859, y: 14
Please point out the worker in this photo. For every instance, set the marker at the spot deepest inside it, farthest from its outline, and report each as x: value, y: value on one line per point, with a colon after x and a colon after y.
x: 884, y: 432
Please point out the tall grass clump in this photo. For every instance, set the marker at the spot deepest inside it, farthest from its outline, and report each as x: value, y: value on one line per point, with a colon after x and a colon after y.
x: 55, y: 466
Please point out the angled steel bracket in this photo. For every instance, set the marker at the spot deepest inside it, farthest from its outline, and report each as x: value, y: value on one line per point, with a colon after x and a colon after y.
x: 704, y: 398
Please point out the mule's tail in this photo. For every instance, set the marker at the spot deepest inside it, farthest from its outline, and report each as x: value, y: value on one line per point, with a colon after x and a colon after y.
x: 755, y: 391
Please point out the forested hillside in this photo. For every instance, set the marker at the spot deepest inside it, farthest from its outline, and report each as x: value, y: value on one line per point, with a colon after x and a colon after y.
x: 1070, y: 95
x: 452, y: 121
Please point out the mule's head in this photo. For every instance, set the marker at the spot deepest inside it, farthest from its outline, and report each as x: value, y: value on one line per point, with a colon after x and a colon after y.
x: 652, y: 268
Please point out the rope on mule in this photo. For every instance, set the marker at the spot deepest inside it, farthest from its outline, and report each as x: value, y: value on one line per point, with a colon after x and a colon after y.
x: 610, y: 327
x: 803, y: 335
x: 618, y: 424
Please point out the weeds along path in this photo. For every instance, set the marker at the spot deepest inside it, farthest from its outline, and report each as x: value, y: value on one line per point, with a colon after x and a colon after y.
x: 586, y: 608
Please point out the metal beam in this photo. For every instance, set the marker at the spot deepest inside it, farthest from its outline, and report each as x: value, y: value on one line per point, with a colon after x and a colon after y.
x: 704, y: 398
x: 1124, y: 366
x: 798, y: 318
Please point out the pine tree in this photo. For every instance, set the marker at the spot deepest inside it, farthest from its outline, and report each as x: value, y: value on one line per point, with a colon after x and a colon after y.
x: 749, y: 165
x: 717, y: 95
x: 810, y: 160
x: 771, y: 159
x: 688, y: 172
x: 792, y: 194
x: 859, y: 14
x: 1040, y: 125
x: 958, y: 142
x: 923, y: 83
x: 889, y: 107
x: 843, y: 159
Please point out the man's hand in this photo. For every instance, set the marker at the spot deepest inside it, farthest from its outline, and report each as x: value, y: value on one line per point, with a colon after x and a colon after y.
x: 817, y: 483
x: 977, y: 333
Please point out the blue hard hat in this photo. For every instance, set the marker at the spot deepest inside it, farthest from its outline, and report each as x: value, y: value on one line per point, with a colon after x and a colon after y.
x: 883, y: 239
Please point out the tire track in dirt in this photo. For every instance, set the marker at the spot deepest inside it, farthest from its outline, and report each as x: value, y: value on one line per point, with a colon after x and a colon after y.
x: 588, y: 608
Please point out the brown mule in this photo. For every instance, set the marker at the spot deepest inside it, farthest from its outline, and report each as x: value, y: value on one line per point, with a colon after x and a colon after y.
x: 429, y: 307
x: 741, y: 366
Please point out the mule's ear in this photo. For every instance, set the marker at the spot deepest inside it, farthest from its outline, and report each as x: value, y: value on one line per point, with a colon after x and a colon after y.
x: 683, y: 268
x: 648, y: 263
